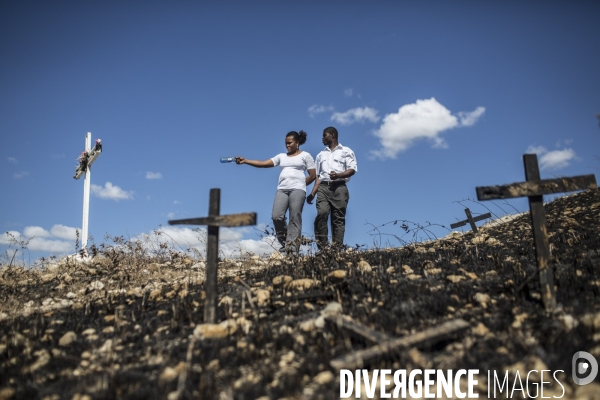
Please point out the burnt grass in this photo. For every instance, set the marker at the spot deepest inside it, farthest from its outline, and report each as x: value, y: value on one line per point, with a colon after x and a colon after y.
x: 145, y: 314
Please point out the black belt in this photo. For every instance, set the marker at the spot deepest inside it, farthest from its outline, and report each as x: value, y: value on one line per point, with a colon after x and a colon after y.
x: 333, y: 183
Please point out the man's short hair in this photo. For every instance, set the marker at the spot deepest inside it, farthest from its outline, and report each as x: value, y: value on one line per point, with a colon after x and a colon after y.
x: 331, y: 130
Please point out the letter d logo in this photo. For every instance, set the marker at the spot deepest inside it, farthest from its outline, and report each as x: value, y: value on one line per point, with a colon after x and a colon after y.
x: 582, y: 367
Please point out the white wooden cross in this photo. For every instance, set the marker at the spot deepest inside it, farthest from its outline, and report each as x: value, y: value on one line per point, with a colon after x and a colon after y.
x: 86, y: 159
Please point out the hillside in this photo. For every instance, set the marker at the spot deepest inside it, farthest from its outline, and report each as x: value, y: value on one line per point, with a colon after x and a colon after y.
x: 131, y: 327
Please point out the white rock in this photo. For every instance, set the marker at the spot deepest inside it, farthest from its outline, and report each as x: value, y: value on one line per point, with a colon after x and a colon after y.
x: 482, y: 298
x: 307, y: 326
x: 262, y: 296
x: 71, y: 295
x: 323, y: 378
x: 480, y: 330
x: 453, y: 235
x: 281, y: 279
x: 364, y: 266
x: 591, y: 320
x: 44, y: 358
x: 88, y: 331
x: 338, y: 274
x: 174, y: 395
x: 302, y: 283
x: 455, y: 278
x: 169, y: 373
x: 244, y: 324
x: 216, y: 331
x: 333, y: 308
x: 67, y: 339
x: 480, y: 239
x: 568, y: 322
x: 106, y: 346
x: 493, y: 242
x: 52, y: 266
x: 96, y: 285
x: 283, y: 329
x: 320, y: 322
x: 226, y: 300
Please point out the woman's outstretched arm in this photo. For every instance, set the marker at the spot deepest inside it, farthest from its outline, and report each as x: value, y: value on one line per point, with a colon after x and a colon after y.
x: 255, y: 163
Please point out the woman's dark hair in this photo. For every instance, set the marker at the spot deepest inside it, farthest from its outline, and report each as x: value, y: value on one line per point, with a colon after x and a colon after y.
x: 299, y: 137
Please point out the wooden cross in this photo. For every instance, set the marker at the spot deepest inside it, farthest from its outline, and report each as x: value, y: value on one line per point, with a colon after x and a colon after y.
x: 214, y: 221
x: 535, y: 188
x: 386, y: 344
x: 471, y: 220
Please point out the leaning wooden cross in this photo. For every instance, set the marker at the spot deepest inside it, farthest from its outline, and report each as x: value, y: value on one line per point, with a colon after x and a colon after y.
x: 534, y: 188
x: 214, y: 221
x: 385, y: 344
x: 470, y: 220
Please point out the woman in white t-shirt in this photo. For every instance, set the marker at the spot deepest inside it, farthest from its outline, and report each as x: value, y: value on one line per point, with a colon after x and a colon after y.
x: 291, y: 189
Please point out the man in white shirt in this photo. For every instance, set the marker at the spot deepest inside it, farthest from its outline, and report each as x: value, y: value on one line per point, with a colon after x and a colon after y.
x: 334, y: 166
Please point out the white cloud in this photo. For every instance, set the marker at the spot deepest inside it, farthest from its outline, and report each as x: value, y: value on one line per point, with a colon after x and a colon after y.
x: 424, y: 119
x: 153, y: 175
x: 231, y: 241
x: 64, y: 232
x: 356, y: 115
x: 51, y: 245
x: 38, y: 231
x: 176, y: 201
x: 469, y: 118
x: 318, y: 109
x: 20, y: 175
x: 557, y: 159
x: 109, y: 191
x: 39, y: 239
x: 539, y: 150
x: 12, y: 160
x: 264, y: 246
x: 348, y: 92
x: 7, y: 237
x: 60, y: 239
x: 552, y: 160
x: 171, y: 215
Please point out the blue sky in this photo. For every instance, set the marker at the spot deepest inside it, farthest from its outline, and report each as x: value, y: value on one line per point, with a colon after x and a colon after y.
x: 434, y: 97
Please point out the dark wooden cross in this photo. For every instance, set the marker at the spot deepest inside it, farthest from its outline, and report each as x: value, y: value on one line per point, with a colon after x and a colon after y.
x: 470, y: 220
x: 214, y: 221
x: 535, y: 188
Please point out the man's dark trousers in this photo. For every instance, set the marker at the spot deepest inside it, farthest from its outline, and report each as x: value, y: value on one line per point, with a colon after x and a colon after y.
x: 332, y: 198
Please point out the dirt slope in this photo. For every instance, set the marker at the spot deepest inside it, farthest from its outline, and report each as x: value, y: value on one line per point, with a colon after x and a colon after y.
x: 127, y: 326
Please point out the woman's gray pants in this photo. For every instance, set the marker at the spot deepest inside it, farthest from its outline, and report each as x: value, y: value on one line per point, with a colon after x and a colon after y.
x: 294, y: 200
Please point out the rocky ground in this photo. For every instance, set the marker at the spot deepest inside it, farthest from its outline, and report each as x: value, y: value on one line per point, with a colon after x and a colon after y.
x: 131, y: 327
